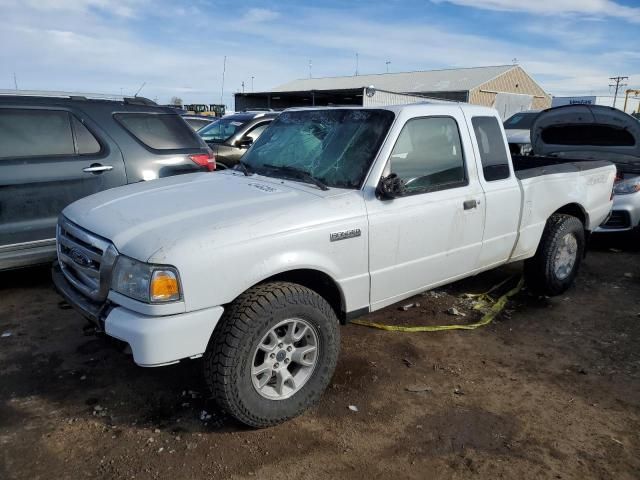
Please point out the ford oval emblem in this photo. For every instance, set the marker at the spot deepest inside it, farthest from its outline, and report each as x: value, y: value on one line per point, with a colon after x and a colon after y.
x: 80, y: 258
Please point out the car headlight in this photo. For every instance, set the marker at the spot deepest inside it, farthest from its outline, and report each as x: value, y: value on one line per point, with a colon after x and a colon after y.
x: 624, y: 187
x: 145, y: 282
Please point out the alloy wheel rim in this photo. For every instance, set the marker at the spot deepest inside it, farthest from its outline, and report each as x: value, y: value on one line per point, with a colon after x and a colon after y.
x: 284, y: 359
x: 566, y: 256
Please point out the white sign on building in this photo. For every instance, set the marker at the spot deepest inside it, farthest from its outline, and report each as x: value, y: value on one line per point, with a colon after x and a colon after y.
x: 559, y: 101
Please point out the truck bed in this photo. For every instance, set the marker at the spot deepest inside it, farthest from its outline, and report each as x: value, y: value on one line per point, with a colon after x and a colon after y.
x: 528, y: 166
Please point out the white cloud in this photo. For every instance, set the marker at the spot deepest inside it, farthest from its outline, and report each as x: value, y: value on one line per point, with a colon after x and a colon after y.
x: 88, y: 50
x: 120, y: 8
x: 603, y: 8
x: 259, y: 15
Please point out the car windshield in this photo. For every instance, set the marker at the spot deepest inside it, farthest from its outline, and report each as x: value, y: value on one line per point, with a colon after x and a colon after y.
x: 335, y: 146
x: 221, y: 130
x: 520, y: 121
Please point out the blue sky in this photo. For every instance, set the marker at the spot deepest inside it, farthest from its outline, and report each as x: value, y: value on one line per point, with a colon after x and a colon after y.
x: 570, y: 46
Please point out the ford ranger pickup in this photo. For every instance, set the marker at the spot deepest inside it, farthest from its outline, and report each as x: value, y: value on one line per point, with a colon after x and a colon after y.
x: 332, y: 213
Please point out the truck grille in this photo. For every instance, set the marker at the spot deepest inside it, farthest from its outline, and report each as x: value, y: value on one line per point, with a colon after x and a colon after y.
x: 86, y: 260
x: 618, y: 219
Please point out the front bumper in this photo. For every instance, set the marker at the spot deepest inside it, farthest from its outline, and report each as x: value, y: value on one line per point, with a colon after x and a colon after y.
x: 154, y: 340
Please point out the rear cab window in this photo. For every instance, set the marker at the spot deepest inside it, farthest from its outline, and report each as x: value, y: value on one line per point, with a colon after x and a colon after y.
x: 159, y: 131
x: 493, y: 151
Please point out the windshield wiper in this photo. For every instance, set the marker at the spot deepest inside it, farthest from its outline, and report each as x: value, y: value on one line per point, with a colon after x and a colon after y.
x: 245, y: 168
x: 299, y: 173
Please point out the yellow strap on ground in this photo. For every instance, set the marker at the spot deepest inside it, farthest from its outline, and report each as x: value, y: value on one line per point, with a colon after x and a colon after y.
x: 488, y: 317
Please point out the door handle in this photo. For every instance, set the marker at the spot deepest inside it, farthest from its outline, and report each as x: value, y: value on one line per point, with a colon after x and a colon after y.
x: 469, y: 204
x: 97, y: 168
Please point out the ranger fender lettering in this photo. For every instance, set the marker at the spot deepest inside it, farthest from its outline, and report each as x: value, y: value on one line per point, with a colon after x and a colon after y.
x: 344, y: 234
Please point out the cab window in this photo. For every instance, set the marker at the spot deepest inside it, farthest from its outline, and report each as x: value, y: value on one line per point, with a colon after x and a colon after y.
x: 428, y: 155
x: 493, y: 152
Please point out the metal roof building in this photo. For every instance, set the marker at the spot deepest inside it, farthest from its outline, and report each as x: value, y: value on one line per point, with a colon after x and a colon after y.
x: 507, y: 87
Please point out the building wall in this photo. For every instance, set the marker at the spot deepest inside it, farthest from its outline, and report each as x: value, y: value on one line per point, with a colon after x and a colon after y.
x: 515, y: 80
x: 382, y: 98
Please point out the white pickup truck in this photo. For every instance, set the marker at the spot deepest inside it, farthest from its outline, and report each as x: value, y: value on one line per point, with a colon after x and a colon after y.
x: 332, y: 213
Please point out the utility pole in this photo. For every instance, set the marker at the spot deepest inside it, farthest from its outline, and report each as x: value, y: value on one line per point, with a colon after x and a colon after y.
x: 243, y: 86
x: 618, y: 84
x: 310, y: 69
x: 387, y: 63
x: 224, y: 70
x: 252, y: 83
x: 15, y: 82
x: 357, y: 63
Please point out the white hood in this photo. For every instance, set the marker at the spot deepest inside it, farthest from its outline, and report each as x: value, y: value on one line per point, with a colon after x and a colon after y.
x: 148, y: 219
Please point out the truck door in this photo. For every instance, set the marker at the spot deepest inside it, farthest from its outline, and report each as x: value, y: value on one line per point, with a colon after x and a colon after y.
x: 503, y: 200
x: 434, y: 232
x: 48, y: 159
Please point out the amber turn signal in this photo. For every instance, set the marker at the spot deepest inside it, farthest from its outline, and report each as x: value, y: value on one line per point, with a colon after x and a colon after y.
x: 164, y: 286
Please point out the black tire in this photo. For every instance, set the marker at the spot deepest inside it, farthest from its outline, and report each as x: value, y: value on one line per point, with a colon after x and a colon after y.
x: 539, y: 271
x: 230, y: 354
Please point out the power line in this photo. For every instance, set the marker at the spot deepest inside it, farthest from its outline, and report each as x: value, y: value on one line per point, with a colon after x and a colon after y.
x: 618, y: 84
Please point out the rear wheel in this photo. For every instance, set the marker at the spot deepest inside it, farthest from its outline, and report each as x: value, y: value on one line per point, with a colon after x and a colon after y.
x: 555, y: 265
x: 273, y: 353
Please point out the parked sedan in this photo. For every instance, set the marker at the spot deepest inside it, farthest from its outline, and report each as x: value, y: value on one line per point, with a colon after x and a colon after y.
x: 625, y: 215
x: 231, y: 136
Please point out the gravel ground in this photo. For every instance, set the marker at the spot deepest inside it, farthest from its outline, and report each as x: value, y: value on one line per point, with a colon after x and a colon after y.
x: 551, y: 389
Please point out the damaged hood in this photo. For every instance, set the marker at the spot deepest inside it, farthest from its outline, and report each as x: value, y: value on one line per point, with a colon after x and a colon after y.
x: 147, y: 220
x: 591, y: 132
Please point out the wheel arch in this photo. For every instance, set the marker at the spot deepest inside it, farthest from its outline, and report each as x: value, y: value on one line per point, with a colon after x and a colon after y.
x: 318, y: 281
x: 575, y: 210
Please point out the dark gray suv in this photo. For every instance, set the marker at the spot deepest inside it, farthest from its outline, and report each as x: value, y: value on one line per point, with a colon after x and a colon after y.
x: 57, y: 149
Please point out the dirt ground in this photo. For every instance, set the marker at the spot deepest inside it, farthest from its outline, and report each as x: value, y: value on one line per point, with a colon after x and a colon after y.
x: 551, y: 389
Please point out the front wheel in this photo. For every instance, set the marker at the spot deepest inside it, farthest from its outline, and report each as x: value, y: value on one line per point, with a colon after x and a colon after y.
x: 273, y: 353
x: 555, y: 265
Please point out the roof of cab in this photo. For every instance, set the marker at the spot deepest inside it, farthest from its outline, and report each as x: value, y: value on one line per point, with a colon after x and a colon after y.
x: 465, y: 107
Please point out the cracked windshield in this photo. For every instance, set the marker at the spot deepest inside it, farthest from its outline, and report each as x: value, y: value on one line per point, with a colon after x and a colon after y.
x: 335, y: 147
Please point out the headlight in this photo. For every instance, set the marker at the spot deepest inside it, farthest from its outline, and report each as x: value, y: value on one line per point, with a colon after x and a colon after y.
x: 624, y: 187
x: 145, y: 282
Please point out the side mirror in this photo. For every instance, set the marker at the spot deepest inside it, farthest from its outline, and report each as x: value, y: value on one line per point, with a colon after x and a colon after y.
x: 391, y: 187
x: 244, y: 142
